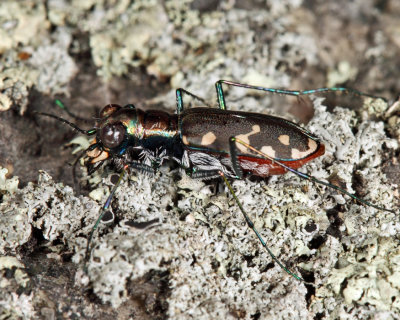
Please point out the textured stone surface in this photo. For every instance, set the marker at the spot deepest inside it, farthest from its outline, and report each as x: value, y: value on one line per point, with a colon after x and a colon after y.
x: 198, y: 259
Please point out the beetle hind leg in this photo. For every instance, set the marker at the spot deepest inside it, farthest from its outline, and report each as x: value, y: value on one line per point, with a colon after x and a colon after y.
x: 313, y: 179
x: 221, y: 99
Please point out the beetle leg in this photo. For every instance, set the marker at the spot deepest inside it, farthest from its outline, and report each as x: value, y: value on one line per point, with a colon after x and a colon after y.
x: 297, y: 93
x: 141, y: 167
x: 250, y: 224
x: 179, y: 99
x: 220, y: 94
x: 102, y: 213
x: 311, y: 178
x: 234, y: 159
x: 81, y: 154
x: 202, y: 174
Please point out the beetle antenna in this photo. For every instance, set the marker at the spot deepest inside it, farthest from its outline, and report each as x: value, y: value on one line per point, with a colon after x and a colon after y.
x: 73, y: 125
x: 73, y: 115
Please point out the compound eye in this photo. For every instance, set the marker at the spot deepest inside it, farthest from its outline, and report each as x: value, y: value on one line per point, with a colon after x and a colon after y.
x: 112, y: 135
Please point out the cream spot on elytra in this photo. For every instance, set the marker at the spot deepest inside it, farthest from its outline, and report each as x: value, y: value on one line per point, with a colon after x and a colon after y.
x: 269, y: 151
x: 245, y: 138
x: 284, y: 139
x: 312, y: 147
x: 208, y: 139
x: 312, y: 144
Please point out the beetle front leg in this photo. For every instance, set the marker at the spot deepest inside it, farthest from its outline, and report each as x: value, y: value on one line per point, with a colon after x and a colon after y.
x: 102, y: 213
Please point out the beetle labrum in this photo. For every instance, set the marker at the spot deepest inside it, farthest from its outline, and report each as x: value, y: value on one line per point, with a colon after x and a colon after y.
x: 206, y: 143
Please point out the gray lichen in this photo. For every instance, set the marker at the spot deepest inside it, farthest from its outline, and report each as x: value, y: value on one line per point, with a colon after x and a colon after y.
x: 29, y: 56
x: 13, y: 305
x: 217, y: 266
x: 214, y: 265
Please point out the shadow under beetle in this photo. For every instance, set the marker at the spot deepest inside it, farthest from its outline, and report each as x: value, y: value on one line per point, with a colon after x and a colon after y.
x: 206, y: 143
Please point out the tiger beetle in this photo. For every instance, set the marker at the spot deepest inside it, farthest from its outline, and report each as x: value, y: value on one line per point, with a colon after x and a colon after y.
x: 207, y: 143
